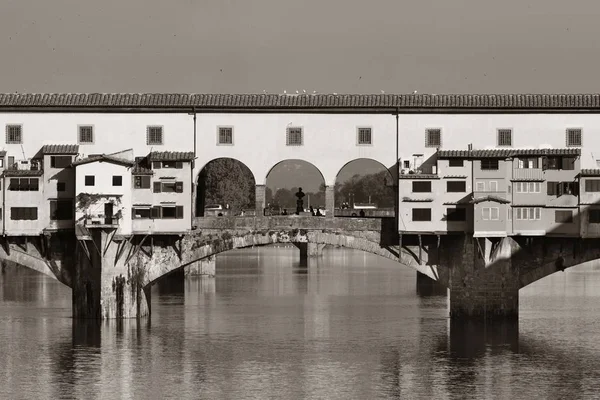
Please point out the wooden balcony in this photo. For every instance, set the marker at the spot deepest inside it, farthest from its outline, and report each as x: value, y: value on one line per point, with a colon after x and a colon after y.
x: 528, y: 174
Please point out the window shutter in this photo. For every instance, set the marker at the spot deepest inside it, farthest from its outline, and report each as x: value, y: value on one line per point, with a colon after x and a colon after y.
x: 179, y: 165
x: 156, y: 164
x: 156, y: 212
x: 179, y: 187
x: 34, y: 213
x: 179, y: 212
x: 156, y: 187
x: 551, y: 188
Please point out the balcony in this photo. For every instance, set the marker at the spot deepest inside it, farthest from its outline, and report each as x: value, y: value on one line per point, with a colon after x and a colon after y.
x: 528, y: 174
x: 101, y: 222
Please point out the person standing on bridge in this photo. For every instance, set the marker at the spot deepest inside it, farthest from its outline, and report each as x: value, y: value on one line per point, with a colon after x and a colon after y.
x: 299, y: 202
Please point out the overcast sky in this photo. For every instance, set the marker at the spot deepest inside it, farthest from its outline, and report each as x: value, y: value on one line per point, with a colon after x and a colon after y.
x: 344, y: 46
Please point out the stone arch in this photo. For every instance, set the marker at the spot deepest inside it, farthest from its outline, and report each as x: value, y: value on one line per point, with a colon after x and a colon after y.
x: 200, y: 187
x: 49, y: 268
x: 293, y: 159
x: 195, y: 250
x: 386, y: 185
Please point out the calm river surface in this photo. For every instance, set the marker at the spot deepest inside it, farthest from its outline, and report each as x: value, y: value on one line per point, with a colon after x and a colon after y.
x: 351, y: 326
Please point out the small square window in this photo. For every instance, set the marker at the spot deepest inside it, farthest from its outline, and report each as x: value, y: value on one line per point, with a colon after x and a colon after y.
x: 154, y: 135
x: 505, y: 137
x: 86, y: 134
x: 14, y: 134
x: 61, y: 186
x: 574, y: 137
x: 406, y: 164
x: 365, y: 136
x: 90, y: 180
x: 117, y: 180
x: 294, y: 136
x: 225, y: 135
x: 456, y: 162
x: 433, y: 138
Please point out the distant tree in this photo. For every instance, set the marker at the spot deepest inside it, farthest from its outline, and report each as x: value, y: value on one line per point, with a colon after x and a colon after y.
x: 226, y: 181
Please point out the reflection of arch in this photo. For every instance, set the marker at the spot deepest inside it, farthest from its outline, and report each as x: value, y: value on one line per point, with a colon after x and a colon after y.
x: 200, y: 191
x: 292, y: 160
x: 238, y: 240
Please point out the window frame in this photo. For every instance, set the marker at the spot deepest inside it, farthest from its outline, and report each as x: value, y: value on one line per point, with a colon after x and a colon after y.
x: 421, y: 182
x: 54, y: 159
x: 568, y: 131
x: 491, y: 164
x: 359, y: 130
x: 499, y: 133
x: 17, y: 213
x: 569, y: 220
x: 428, y: 141
x: 80, y: 132
x: 117, y: 180
x: 93, y: 180
x: 419, y: 209
x: 596, y: 213
x: 149, y: 142
x: 464, y: 188
x: 219, y: 128
x: 142, y: 179
x: 593, y: 184
x: 462, y: 162
x: 288, y: 131
x: 7, y: 132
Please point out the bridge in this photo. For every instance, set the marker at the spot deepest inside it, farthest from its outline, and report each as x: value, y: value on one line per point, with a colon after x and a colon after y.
x: 111, y: 275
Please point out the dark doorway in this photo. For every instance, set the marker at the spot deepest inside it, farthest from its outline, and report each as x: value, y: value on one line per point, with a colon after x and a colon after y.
x: 108, y: 213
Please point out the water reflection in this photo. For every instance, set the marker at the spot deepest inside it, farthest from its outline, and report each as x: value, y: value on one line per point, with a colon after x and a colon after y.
x: 347, y: 325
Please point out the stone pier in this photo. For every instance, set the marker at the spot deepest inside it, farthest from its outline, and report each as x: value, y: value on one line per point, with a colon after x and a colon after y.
x: 104, y: 285
x: 429, y: 287
x: 309, y: 250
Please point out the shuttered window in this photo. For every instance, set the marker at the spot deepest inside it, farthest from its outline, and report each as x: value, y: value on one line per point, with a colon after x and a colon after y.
x: 594, y: 216
x: 421, y: 187
x: 563, y: 216
x: 592, y: 185
x: 141, y: 182
x: 456, y: 186
x: 421, y: 214
x: 24, y: 213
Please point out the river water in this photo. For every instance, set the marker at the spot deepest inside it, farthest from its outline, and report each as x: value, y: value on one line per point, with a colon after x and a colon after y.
x: 349, y: 326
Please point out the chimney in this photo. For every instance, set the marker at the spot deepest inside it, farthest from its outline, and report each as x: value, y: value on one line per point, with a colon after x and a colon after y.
x: 470, y: 146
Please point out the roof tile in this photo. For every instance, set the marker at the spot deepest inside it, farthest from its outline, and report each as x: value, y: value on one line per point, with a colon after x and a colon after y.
x: 171, y: 156
x: 220, y: 101
x: 60, y: 149
x: 104, y: 157
x: 507, y: 153
x: 23, y: 172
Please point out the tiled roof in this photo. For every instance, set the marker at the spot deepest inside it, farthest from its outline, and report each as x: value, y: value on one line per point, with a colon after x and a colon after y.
x: 60, y: 149
x: 265, y: 101
x: 139, y: 170
x: 590, y: 172
x: 418, y: 176
x: 104, y: 158
x: 507, y: 153
x: 171, y: 156
x: 489, y: 198
x: 23, y: 172
x: 455, y: 176
x: 409, y: 200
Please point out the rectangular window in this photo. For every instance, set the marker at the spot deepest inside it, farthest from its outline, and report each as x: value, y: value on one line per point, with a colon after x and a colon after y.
x: 86, y: 134
x: 495, y: 213
x: 172, y: 164
x: 505, y: 137
x: 90, y: 180
x: 490, y: 213
x: 563, y: 216
x: 154, y: 135
x: 117, y: 180
x: 61, y: 186
x: 140, y: 212
x: 433, y: 137
x: 225, y: 134
x: 485, y: 213
x: 156, y: 165
x: 528, y: 213
x: 294, y: 136
x: 528, y: 162
x: 456, y: 186
x: 24, y: 184
x: 14, y: 134
x: 421, y: 187
x: 594, y: 216
x: 480, y: 186
x: 61, y: 210
x: 592, y: 185
x: 364, y: 136
x: 574, y: 137
x: 456, y: 214
x: 489, y: 164
x: 24, y: 213
x: 406, y: 164
x: 167, y: 212
x: 509, y: 214
x: 456, y: 162
x: 60, y: 161
x: 168, y: 187
x: 493, y: 186
x: 421, y: 214
x: 141, y: 182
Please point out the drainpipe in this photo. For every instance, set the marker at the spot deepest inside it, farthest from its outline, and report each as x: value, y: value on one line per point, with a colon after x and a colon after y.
x: 192, y: 187
x: 4, y: 205
x: 397, y: 178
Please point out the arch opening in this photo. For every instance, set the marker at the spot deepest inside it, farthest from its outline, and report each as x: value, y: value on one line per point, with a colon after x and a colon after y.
x: 289, y: 179
x: 365, y: 187
x: 225, y: 186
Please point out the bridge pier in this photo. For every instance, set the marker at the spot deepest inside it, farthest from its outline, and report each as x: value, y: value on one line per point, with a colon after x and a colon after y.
x: 204, y: 267
x: 483, y: 278
x: 309, y: 250
x: 429, y: 287
x: 104, y: 284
